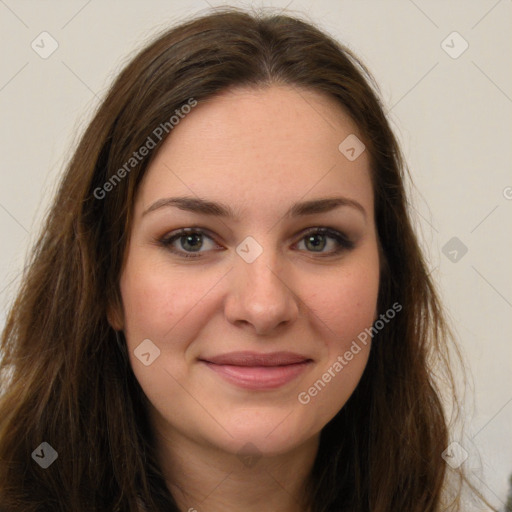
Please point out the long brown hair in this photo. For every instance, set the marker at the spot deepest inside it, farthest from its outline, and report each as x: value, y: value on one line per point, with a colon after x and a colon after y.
x: 66, y: 380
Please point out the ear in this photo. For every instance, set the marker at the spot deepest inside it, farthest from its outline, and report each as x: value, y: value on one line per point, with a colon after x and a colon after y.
x: 115, y: 316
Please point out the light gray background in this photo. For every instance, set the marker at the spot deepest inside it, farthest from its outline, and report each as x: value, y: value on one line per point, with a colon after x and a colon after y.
x: 452, y: 116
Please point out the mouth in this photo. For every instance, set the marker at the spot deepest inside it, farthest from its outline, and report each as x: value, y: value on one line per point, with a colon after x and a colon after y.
x: 257, y: 371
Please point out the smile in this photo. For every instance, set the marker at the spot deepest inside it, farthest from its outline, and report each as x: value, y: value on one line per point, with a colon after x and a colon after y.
x: 257, y: 371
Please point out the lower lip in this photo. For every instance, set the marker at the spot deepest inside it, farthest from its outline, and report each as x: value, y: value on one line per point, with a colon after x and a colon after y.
x: 259, y: 377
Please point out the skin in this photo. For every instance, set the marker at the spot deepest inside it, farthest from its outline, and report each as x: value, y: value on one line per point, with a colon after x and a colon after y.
x: 258, y: 151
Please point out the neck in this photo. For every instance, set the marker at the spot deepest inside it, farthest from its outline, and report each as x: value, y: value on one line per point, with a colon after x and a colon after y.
x: 205, y: 478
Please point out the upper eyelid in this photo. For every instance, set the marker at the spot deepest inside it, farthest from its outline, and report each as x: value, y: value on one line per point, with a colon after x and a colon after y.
x: 177, y: 234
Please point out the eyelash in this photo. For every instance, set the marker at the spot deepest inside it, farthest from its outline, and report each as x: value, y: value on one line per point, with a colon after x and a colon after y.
x: 343, y: 242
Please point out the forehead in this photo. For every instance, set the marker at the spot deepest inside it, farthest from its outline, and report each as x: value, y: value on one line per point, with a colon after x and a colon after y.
x: 260, y: 147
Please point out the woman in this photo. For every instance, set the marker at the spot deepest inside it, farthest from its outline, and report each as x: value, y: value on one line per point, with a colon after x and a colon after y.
x: 228, y: 308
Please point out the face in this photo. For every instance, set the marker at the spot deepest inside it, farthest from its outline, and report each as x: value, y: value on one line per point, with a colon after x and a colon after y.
x: 244, y: 327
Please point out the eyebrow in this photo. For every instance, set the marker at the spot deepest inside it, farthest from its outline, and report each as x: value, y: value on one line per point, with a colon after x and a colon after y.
x: 202, y: 206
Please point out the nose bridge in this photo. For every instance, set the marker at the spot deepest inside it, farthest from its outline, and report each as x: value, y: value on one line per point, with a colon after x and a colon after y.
x: 258, y: 269
x: 259, y: 294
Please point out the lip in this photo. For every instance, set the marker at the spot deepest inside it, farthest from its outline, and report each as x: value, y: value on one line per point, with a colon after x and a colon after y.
x: 258, y: 371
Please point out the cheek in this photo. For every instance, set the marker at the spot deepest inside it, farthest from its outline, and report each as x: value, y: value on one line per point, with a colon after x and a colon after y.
x: 346, y: 315
x: 156, y: 298
x: 345, y: 308
x: 159, y: 304
x: 346, y: 304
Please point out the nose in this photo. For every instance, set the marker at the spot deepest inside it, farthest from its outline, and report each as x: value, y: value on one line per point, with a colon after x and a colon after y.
x: 261, y: 295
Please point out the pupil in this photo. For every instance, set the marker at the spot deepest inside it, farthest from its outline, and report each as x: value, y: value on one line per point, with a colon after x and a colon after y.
x: 195, y: 237
x: 316, y: 245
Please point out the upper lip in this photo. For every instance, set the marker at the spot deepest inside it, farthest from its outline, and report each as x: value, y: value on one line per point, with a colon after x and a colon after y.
x: 257, y: 359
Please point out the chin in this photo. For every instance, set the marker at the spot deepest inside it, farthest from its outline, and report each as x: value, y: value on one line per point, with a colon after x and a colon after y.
x: 272, y: 435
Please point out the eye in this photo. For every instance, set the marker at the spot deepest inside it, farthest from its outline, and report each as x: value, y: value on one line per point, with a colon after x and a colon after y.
x: 190, y: 241
x: 317, y: 239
